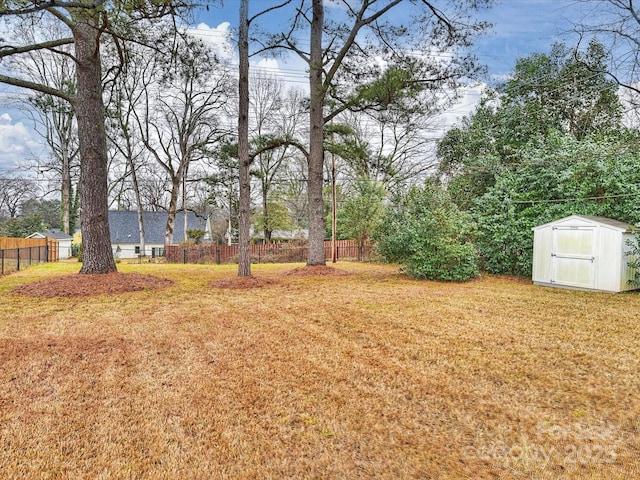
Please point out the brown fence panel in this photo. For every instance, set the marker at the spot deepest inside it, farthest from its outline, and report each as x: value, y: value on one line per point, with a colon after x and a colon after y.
x: 18, y: 253
x: 52, y: 248
x: 271, y: 253
x: 10, y: 242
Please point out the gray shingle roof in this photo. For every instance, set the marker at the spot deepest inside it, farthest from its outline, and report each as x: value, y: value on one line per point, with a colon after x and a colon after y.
x: 55, y: 234
x: 123, y: 226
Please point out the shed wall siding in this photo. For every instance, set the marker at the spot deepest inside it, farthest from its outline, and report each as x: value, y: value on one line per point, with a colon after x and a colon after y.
x: 542, y: 243
x: 585, y: 253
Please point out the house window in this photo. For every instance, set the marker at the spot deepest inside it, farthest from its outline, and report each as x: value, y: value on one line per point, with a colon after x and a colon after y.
x: 137, y: 250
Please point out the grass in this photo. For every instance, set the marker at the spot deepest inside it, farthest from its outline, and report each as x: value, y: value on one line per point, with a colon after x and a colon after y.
x: 370, y: 375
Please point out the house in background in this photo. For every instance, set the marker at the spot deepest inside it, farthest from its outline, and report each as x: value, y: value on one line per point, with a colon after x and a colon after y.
x: 278, y: 236
x: 125, y: 233
x: 583, y: 252
x: 62, y: 239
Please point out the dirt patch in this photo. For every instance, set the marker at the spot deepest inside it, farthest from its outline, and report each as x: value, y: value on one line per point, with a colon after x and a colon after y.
x: 84, y: 285
x: 316, y: 271
x: 241, y: 283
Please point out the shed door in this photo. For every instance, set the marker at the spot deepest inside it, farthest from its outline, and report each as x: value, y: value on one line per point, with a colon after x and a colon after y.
x: 573, y: 256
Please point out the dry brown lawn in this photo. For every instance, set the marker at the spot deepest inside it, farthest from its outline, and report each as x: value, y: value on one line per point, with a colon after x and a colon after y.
x: 361, y: 376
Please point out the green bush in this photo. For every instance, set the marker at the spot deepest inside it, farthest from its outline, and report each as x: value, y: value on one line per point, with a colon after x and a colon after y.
x: 424, y: 231
x: 634, y: 262
x: 559, y: 178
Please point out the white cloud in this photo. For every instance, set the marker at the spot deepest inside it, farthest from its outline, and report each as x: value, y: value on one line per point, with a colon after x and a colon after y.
x: 465, y: 105
x: 219, y: 38
x: 16, y: 143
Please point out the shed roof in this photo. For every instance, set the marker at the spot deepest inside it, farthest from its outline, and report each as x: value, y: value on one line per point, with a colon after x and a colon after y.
x: 608, y: 222
x: 123, y: 226
x: 53, y: 233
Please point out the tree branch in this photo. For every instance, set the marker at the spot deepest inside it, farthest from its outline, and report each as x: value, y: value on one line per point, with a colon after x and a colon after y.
x: 270, y: 9
x: 18, y: 82
x: 38, y: 6
x: 6, y: 50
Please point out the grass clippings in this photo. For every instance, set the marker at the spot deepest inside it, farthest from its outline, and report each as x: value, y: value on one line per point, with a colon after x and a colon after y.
x: 370, y: 375
x: 82, y: 285
x: 242, y: 283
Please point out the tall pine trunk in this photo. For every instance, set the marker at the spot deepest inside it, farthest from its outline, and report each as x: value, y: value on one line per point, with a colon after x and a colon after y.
x: 97, y: 255
x: 244, y: 222
x: 316, y: 147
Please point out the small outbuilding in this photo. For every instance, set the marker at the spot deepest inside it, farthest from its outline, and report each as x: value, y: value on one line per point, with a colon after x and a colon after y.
x: 63, y: 241
x: 583, y: 252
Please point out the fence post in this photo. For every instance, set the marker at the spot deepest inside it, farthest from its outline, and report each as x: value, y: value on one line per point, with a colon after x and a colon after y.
x: 2, y: 261
x: 184, y: 256
x: 18, y: 250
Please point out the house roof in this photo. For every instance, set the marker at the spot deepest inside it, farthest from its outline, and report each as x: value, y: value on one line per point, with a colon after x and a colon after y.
x: 123, y: 226
x: 53, y: 233
x: 608, y: 222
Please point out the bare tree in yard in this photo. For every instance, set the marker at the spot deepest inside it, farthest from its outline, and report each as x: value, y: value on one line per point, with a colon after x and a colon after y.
x: 87, y: 22
x: 54, y: 118
x: 278, y: 116
x: 179, y: 122
x: 126, y: 94
x: 344, y: 52
x: 387, y: 148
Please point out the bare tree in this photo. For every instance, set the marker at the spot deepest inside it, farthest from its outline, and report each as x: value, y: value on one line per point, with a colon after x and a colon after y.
x: 278, y: 116
x: 340, y: 57
x: 87, y: 22
x: 54, y: 117
x: 126, y: 94
x: 389, y: 148
x: 14, y: 192
x: 616, y: 24
x: 179, y: 122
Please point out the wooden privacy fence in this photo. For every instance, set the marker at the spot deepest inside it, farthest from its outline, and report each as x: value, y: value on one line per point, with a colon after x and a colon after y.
x: 18, y: 253
x: 272, y: 253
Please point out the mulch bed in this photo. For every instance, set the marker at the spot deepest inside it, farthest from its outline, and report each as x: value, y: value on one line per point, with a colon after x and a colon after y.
x: 84, y: 285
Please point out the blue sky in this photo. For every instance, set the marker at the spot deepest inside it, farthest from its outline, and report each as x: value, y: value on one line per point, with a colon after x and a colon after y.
x: 521, y: 27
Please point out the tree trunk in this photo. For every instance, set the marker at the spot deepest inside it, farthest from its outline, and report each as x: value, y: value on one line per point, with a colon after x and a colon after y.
x: 66, y: 193
x: 244, y: 254
x: 185, y: 219
x: 173, y: 208
x: 140, y: 209
x: 97, y: 256
x: 316, y: 148
x: 265, y: 215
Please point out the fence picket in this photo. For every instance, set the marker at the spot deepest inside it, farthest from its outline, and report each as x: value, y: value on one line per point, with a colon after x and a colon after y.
x: 16, y: 253
x: 271, y: 253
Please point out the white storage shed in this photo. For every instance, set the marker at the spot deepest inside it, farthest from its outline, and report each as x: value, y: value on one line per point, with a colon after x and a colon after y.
x: 583, y: 252
x: 63, y: 240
